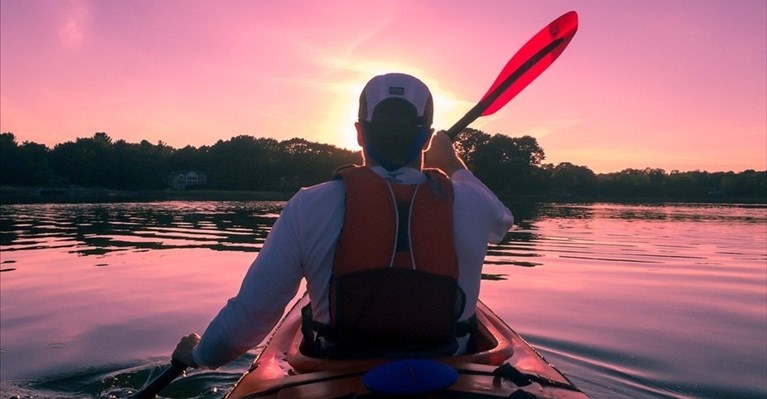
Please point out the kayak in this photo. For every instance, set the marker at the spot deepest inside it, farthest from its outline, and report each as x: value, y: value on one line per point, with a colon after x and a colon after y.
x: 502, y: 366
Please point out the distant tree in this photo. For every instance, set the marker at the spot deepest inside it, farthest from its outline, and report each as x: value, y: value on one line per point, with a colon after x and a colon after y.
x: 139, y: 166
x: 686, y: 185
x: 9, y: 159
x: 102, y: 137
x: 467, y: 142
x: 509, y: 164
x: 570, y: 179
x: 87, y: 161
x: 189, y: 159
x: 628, y: 183
x: 657, y: 182
x: 747, y: 184
x: 33, y: 164
x: 247, y: 163
x: 233, y: 164
x: 25, y: 164
x: 306, y: 163
x: 529, y: 150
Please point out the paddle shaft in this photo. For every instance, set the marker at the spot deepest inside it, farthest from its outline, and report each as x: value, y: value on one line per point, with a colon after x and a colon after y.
x: 154, y: 387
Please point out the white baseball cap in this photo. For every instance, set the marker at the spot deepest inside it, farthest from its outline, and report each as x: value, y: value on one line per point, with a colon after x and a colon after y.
x: 396, y: 85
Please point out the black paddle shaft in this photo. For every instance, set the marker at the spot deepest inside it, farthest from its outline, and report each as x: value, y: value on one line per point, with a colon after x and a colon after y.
x: 154, y: 387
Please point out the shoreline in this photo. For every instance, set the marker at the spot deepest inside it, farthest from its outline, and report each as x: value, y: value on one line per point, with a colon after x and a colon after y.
x: 63, y: 195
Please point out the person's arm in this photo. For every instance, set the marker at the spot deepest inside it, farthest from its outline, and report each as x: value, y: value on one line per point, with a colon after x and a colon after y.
x: 441, y: 155
x: 486, y: 206
x: 271, y: 282
x: 482, y: 206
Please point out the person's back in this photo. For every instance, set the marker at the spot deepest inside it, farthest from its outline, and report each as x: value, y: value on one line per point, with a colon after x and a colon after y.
x: 394, y: 284
x: 392, y: 255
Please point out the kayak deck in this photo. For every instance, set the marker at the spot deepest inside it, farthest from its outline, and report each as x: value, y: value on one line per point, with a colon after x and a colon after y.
x: 282, y: 370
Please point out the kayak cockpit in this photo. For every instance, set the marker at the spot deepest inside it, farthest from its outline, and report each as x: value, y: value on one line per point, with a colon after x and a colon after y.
x: 501, y: 364
x: 491, y: 347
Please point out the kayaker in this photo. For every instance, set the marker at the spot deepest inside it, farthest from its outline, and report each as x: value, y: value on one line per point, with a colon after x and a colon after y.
x: 390, y: 251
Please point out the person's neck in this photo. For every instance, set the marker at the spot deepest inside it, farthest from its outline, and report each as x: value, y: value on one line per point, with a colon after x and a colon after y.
x: 415, y: 164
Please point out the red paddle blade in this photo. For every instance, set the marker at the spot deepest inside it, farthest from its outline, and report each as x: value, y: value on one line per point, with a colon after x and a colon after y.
x: 531, y: 60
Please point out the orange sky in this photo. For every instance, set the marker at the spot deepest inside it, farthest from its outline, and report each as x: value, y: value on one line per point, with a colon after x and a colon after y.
x: 673, y: 84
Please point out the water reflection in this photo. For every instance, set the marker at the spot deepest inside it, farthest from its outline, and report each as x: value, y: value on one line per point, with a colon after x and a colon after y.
x: 621, y: 233
x: 690, y: 212
x: 618, y: 296
x: 98, y: 229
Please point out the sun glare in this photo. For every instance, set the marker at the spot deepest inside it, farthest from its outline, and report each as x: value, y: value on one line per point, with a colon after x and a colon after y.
x: 341, y: 115
x: 447, y: 109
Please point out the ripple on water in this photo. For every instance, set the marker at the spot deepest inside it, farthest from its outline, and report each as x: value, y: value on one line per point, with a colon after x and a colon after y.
x: 628, y: 301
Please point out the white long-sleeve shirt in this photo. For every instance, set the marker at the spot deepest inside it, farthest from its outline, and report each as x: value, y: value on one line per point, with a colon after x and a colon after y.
x: 302, y: 245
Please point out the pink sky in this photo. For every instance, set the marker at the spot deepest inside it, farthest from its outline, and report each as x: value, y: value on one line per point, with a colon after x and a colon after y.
x: 672, y: 84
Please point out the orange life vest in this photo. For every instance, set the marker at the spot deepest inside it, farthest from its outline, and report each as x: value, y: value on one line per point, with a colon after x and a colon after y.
x: 394, y: 287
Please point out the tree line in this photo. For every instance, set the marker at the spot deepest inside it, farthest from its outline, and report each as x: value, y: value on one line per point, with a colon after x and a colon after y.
x: 508, y: 165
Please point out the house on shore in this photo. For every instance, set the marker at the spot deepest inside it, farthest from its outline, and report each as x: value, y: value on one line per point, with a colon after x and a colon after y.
x: 182, y: 181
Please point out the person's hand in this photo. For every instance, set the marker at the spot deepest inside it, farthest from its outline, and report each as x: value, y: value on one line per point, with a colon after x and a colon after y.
x: 183, y: 351
x: 441, y: 155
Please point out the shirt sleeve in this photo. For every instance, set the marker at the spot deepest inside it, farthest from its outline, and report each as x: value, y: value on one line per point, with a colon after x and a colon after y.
x: 485, y: 205
x: 271, y: 282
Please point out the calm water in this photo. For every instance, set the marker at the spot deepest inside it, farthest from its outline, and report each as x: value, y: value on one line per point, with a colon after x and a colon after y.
x: 629, y: 301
